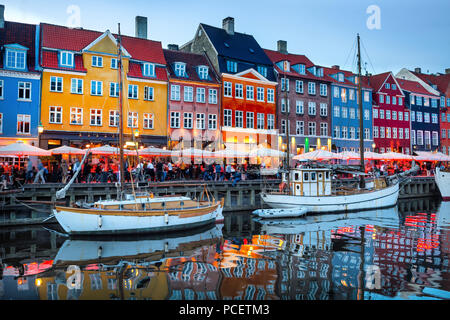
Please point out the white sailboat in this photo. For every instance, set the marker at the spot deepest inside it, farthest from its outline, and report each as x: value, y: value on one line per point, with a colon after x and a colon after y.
x: 442, y: 179
x: 134, y: 212
x: 310, y: 188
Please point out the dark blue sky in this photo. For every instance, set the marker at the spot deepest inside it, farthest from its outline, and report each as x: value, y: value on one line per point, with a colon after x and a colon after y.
x: 411, y: 33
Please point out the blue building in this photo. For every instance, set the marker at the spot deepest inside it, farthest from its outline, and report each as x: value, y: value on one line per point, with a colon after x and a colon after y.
x: 425, y: 120
x: 20, y: 84
x: 345, y: 111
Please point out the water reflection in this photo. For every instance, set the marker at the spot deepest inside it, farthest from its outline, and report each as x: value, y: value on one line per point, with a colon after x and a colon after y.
x: 396, y: 253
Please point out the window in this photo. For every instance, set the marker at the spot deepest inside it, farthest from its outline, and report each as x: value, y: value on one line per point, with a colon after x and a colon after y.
x: 188, y: 94
x: 298, y: 86
x: 336, y: 92
x: 262, y: 71
x: 311, y: 88
x: 419, y: 101
x: 132, y: 91
x: 96, y: 117
x: 180, y: 69
x: 188, y: 120
x: 337, y: 112
x: 388, y: 132
x: 76, y: 86
x: 407, y: 116
x: 400, y: 133
x: 400, y: 115
x: 344, y: 112
x: 1, y: 89
x: 260, y: 121
x: 323, y: 89
x: 336, y: 132
x: 352, y: 113
x: 270, y: 122
x: 231, y: 66
x: 443, y: 133
x: 344, y: 95
x: 113, y: 118
x: 239, y: 115
x: 426, y: 102
x: 250, y: 121
x: 413, y: 116
x: 200, y: 121
x: 413, y: 136
x: 300, y: 128
x: 366, y: 114
x: 260, y: 94
x: 375, y: 132
x: 212, y: 97
x: 149, y: 93
x: 239, y: 90
x: 299, y: 107
x: 227, y: 89
x: 420, y: 137
x: 381, y: 114
x: 323, y: 109
x: 311, y: 128
x: 56, y: 84
x: 324, y: 129
x: 23, y: 124
x: 15, y: 59
x: 250, y: 94
x: 113, y: 89
x: 394, y: 133
x: 434, y: 118
x: 132, y: 120
x: 96, y: 88
x: 55, y: 115
x: 76, y: 115
x: 394, y: 87
x: 351, y: 133
x: 381, y: 97
x: 203, y: 72
x: 367, y: 96
x: 97, y: 61
x: 312, y: 108
x: 114, y: 63
x: 283, y: 105
x: 270, y: 95
x: 400, y: 101
x: 212, y: 121
x: 375, y: 113
x: 174, y: 119
x: 406, y: 133
x: 351, y: 94
x: 382, y: 132
x: 175, y: 92
x: 387, y: 85
x: 24, y: 93
x: 227, y: 118
x: 388, y: 114
x: 201, y: 95
x: 394, y: 115
x: 284, y: 84
x: 149, y: 70
x: 427, y: 138
x: 283, y: 126
x: 419, y: 116
x: 66, y: 59
x: 434, y: 103
x: 435, y: 136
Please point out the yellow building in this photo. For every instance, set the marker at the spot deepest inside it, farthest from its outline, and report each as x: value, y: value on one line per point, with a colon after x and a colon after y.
x: 80, y: 88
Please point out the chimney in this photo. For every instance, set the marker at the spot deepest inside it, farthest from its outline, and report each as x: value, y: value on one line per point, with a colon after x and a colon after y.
x: 447, y: 71
x: 418, y: 70
x: 228, y: 25
x: 282, y: 46
x: 141, y: 27
x: 2, y: 16
x: 172, y: 47
x: 336, y: 67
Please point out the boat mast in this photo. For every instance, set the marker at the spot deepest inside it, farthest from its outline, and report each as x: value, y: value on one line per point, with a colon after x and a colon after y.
x: 361, y: 115
x: 121, y: 140
x: 286, y: 105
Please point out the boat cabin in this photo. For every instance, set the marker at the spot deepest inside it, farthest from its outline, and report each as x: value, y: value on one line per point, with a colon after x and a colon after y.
x: 310, y: 181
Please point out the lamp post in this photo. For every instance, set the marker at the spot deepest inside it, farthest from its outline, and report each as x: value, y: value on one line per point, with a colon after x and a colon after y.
x: 40, y: 131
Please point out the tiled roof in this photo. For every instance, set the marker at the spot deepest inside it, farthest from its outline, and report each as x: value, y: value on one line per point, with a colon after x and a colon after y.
x: 375, y: 81
x: 442, y: 81
x: 192, y: 61
x: 75, y: 39
x: 50, y: 61
x: 135, y: 71
x: 413, y: 86
x: 20, y: 33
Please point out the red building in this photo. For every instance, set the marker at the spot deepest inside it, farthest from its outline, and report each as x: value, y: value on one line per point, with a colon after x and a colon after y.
x: 391, y: 117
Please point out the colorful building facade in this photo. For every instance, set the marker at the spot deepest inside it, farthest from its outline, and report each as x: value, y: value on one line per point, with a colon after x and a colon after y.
x: 80, y: 88
x: 391, y: 117
x: 303, y: 101
x: 19, y: 83
x: 194, y: 100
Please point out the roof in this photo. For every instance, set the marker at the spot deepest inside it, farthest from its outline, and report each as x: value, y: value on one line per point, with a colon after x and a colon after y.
x: 22, y: 34
x: 441, y: 81
x: 238, y: 46
x: 50, y: 61
x: 347, y: 74
x: 76, y: 39
x: 192, y: 61
x: 376, y: 81
x: 413, y: 86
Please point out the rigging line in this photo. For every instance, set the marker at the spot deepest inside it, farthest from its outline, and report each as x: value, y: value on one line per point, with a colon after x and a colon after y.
x: 351, y: 50
x: 368, y: 58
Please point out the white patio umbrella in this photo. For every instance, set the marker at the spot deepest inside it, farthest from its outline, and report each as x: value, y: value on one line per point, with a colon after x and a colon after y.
x: 431, y: 156
x: 372, y: 156
x: 152, y: 151
x: 21, y: 149
x: 230, y: 153
x: 266, y: 152
x: 108, y: 150
x: 317, y: 155
x: 396, y: 156
x: 68, y: 150
x: 192, y: 152
x: 349, y: 155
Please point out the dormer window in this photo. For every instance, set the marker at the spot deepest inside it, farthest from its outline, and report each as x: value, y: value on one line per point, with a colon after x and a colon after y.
x: 231, y: 66
x: 301, y: 69
x: 180, y: 69
x: 262, y: 71
x: 341, y: 77
x: 16, y: 58
x: 319, y: 72
x: 286, y: 66
x: 66, y: 59
x: 203, y: 72
x: 97, y: 61
x: 149, y: 70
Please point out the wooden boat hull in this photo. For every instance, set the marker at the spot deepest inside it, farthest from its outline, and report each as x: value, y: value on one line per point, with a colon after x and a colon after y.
x: 78, y: 221
x: 383, y: 198
x: 280, y: 213
x: 442, y: 180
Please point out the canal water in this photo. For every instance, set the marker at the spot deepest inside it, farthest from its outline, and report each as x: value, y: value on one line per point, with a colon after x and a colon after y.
x: 398, y: 253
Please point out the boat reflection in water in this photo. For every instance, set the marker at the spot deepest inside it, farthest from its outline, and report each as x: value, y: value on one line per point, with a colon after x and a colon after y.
x: 127, y: 268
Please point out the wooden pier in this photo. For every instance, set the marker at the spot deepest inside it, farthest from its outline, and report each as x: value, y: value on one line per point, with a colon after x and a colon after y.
x: 16, y: 207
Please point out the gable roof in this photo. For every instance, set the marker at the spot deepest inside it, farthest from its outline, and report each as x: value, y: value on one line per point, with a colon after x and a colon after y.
x: 22, y: 34
x: 377, y: 80
x: 413, y: 86
x: 192, y: 61
x: 238, y: 46
x: 441, y: 81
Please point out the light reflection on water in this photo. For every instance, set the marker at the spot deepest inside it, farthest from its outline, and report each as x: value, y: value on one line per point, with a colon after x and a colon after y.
x: 379, y: 254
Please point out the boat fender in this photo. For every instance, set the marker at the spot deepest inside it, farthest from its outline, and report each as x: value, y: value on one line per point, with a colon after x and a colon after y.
x: 166, y: 247
x: 166, y: 217
x: 282, y: 186
x: 100, y: 221
x: 99, y: 251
